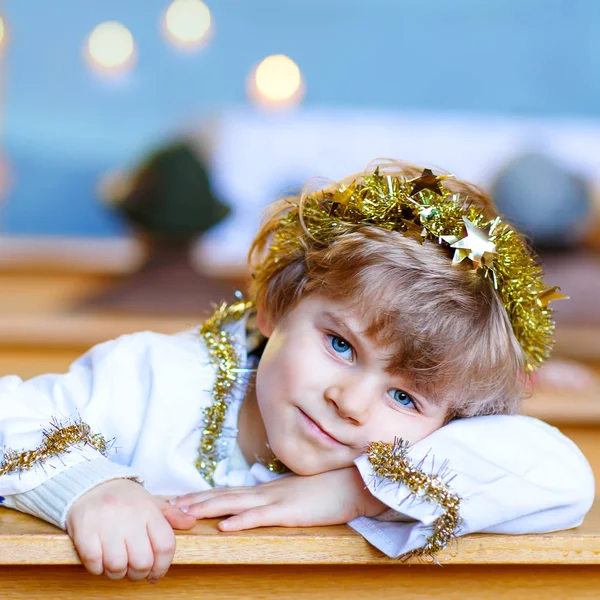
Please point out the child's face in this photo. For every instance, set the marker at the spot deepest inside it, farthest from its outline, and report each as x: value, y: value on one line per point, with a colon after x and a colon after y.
x: 324, y: 392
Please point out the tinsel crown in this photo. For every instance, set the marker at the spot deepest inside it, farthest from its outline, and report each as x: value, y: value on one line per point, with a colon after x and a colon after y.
x: 426, y: 210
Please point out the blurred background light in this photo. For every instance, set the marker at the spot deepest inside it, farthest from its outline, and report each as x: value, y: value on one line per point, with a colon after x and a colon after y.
x: 188, y: 23
x: 111, y: 46
x: 276, y: 82
x: 2, y: 32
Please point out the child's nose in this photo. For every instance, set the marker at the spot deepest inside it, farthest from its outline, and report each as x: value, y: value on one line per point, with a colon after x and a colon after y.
x: 351, y: 399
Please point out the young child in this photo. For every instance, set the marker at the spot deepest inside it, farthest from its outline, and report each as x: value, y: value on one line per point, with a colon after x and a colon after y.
x: 386, y: 309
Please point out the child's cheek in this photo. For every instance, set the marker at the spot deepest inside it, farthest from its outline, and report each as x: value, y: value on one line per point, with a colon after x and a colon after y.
x: 299, y: 361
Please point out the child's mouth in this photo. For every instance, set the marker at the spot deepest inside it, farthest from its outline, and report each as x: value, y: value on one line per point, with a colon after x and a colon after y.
x: 316, y: 430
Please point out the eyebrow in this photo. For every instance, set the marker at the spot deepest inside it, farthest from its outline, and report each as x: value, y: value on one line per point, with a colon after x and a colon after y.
x: 340, y: 323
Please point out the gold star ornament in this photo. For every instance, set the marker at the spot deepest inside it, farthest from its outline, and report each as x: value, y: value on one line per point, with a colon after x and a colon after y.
x: 476, y: 245
x: 549, y: 295
x: 427, y: 181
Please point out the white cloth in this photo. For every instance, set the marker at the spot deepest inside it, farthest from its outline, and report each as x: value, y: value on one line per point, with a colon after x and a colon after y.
x: 148, y: 392
x: 514, y: 474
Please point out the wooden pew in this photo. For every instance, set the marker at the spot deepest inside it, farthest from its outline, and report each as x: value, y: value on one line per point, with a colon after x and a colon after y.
x: 37, y: 561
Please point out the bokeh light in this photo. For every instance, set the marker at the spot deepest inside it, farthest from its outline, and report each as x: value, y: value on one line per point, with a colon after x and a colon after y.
x: 2, y: 32
x: 111, y: 47
x: 188, y: 23
x: 276, y: 82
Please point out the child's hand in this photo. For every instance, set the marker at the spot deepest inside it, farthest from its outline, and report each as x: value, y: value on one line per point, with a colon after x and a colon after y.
x: 329, y: 498
x: 119, y: 529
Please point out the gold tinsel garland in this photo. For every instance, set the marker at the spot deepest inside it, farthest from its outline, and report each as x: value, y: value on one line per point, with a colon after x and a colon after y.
x: 223, y: 354
x: 57, y: 440
x: 225, y: 357
x: 392, y: 463
x: 425, y: 210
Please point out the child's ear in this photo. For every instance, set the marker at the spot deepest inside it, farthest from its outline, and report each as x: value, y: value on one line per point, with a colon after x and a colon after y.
x: 264, y: 322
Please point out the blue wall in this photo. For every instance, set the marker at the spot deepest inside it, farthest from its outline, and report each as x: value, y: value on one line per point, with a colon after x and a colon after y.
x: 63, y: 125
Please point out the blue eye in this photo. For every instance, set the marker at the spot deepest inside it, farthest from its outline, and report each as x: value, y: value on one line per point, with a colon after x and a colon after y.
x: 402, y: 398
x: 341, y: 346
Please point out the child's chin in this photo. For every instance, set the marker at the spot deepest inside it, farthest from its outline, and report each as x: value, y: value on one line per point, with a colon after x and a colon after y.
x: 299, y: 465
x: 306, y: 471
x: 310, y: 467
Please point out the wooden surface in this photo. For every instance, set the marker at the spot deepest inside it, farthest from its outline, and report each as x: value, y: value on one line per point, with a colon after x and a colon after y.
x: 37, y: 561
x: 301, y: 582
x: 564, y: 407
x: 49, y: 311
x: 101, y: 256
x: 25, y: 540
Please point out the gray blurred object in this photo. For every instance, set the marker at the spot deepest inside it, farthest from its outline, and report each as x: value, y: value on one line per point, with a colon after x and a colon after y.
x: 553, y: 207
x: 548, y: 203
x: 169, y: 202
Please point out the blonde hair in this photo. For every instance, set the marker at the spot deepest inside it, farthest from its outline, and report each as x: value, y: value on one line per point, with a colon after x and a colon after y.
x: 443, y: 324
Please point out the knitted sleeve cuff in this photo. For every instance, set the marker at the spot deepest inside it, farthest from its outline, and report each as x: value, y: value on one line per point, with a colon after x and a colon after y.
x: 52, y: 499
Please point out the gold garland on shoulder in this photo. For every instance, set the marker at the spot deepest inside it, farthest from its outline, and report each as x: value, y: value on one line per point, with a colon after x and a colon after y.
x: 424, y: 209
x: 222, y: 354
x: 57, y: 440
x: 225, y: 357
x: 392, y: 462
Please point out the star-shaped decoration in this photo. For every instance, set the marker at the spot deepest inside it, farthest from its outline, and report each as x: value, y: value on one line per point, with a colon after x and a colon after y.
x: 549, y: 295
x: 343, y: 196
x: 427, y: 181
x: 476, y: 245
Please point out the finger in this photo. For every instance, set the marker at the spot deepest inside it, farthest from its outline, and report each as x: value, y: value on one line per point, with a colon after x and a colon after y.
x: 162, y: 539
x: 176, y: 518
x: 226, y: 504
x: 140, y: 556
x: 115, y: 556
x: 89, y: 549
x: 197, y: 497
x: 262, y: 516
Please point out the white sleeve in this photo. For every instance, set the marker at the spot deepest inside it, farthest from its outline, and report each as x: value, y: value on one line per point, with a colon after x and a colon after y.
x: 53, y: 422
x: 510, y: 474
x: 53, y: 499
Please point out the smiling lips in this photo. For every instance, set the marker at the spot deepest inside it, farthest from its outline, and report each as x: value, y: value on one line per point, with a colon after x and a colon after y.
x: 319, y: 431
